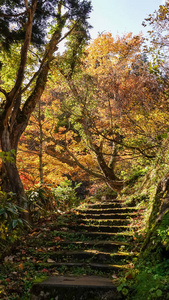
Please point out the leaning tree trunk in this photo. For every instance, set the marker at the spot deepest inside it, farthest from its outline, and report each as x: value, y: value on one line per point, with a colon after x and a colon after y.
x: 40, y: 144
x: 108, y: 169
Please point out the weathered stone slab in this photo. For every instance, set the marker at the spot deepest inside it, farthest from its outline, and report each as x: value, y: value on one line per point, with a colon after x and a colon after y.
x: 75, y: 288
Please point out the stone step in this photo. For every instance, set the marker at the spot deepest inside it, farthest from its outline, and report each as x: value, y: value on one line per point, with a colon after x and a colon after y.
x: 102, y: 228
x: 95, y: 244
x: 105, y: 205
x: 85, y: 236
x: 81, y: 268
x: 75, y: 288
x: 84, y: 256
x: 121, y: 236
x: 108, y: 216
x: 106, y: 211
x: 99, y: 222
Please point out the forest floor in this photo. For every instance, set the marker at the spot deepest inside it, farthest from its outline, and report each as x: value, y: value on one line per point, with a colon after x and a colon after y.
x: 98, y: 241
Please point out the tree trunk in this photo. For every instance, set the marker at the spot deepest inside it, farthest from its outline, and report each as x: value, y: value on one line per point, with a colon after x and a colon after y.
x: 108, y: 170
x: 40, y: 145
x: 11, y: 181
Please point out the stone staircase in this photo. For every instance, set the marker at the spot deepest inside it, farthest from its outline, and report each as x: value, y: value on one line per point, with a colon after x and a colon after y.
x: 88, y: 253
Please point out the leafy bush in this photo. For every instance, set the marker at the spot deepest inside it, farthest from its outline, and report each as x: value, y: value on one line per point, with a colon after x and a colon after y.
x: 162, y: 234
x: 105, y: 191
x: 11, y: 223
x: 135, y: 175
x: 65, y: 195
x: 41, y: 201
x: 146, y: 280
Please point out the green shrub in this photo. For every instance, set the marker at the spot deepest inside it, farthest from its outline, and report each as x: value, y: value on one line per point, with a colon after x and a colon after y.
x: 105, y: 191
x: 41, y: 202
x: 135, y: 175
x: 11, y: 224
x: 65, y: 195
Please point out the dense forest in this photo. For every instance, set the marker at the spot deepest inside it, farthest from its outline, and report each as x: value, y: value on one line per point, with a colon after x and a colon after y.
x: 86, y: 124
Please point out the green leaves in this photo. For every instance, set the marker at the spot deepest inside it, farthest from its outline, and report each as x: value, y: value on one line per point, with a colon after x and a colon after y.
x: 162, y: 136
x: 9, y: 215
x: 8, y: 156
x: 65, y: 195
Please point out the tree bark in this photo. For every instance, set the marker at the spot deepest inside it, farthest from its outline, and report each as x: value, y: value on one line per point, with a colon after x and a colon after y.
x: 40, y: 145
x: 11, y: 181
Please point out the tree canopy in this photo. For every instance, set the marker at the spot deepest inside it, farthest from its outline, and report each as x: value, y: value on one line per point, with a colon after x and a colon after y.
x: 27, y: 26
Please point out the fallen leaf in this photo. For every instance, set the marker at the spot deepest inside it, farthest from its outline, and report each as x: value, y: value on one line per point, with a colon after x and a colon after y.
x: 57, y: 238
x: 21, y: 266
x: 64, y: 229
x: 33, y: 260
x: 9, y: 258
x: 50, y: 260
x: 44, y: 270
x: 55, y: 273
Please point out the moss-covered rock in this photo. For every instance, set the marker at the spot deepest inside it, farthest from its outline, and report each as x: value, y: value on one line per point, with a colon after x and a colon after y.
x: 158, y: 232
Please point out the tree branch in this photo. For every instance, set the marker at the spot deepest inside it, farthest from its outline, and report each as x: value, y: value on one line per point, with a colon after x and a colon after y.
x: 12, y: 95
x: 43, y: 71
x: 97, y: 175
x: 3, y: 91
x: 10, y: 16
x: 67, y: 33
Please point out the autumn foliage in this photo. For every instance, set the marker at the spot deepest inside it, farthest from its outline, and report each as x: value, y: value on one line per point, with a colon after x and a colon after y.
x: 96, y: 118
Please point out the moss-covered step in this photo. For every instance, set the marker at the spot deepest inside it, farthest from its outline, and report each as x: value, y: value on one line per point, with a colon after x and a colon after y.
x: 108, y: 216
x: 102, y: 228
x: 124, y: 236
x: 106, y: 205
x: 76, y: 288
x: 115, y: 236
x: 81, y: 268
x: 109, y: 210
x: 88, y: 255
x: 99, y: 222
x: 112, y: 246
x: 72, y: 236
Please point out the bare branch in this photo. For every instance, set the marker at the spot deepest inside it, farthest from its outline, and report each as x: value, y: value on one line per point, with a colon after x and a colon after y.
x: 97, y: 175
x: 10, y: 16
x: 31, y: 80
x: 67, y: 33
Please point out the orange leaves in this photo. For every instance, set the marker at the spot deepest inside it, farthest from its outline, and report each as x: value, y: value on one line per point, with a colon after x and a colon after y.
x: 21, y: 266
x: 58, y: 239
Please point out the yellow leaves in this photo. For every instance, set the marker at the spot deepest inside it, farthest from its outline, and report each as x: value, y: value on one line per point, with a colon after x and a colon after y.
x: 58, y: 148
x: 105, y: 51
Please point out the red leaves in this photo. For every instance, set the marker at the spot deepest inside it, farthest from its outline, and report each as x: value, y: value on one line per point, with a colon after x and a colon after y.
x: 44, y: 270
x: 58, y: 239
